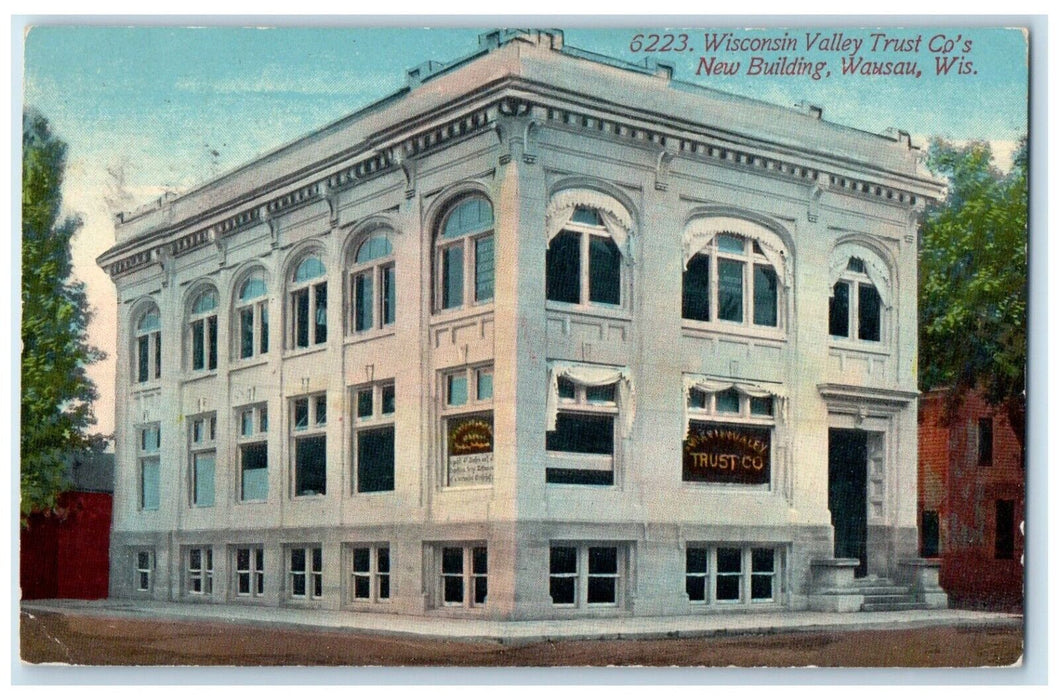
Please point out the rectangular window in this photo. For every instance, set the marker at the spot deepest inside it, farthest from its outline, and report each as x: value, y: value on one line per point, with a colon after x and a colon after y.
x: 730, y: 290
x: 581, y: 575
x: 309, y: 441
x: 583, y: 442
x: 762, y: 574
x: 198, y: 345
x: 729, y: 437
x: 467, y: 429
x: 1005, y: 529
x: 696, y: 304
x: 305, y: 577
x: 452, y: 277
x: 564, y: 268
x: 203, y: 452
x: 144, y: 569
x: 143, y: 354
x: 697, y: 574
x: 250, y: 571
x: 150, y: 466
x: 253, y: 452
x: 370, y: 575
x: 869, y: 307
x: 929, y: 534
x: 727, y: 575
x: 199, y: 571
x: 985, y: 441
x: 464, y: 576
x: 373, y: 438
x: 604, y: 266
x: 765, y: 296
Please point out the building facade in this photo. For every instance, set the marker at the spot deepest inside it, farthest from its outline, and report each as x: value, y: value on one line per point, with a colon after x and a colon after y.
x: 972, y: 499
x: 509, y: 345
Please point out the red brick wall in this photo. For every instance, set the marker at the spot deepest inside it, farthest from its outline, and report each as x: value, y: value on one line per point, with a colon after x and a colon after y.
x: 965, y: 493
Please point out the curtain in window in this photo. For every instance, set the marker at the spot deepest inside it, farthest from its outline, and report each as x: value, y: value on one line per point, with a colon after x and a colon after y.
x: 699, y: 233
x: 590, y: 376
x: 874, y: 266
x: 614, y: 216
x: 713, y: 385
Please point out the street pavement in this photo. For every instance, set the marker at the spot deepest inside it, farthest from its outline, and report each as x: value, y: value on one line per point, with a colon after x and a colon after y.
x: 704, y: 625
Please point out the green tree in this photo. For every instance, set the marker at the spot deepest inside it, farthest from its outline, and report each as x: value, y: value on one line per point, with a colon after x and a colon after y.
x: 57, y: 394
x: 972, y: 281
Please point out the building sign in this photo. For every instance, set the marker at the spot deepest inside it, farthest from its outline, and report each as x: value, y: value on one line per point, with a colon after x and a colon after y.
x: 470, y: 451
x: 723, y: 453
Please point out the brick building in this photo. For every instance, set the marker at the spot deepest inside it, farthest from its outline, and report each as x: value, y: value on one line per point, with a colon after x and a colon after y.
x: 971, y: 501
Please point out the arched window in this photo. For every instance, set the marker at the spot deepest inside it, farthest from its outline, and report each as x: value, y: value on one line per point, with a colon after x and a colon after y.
x: 202, y: 331
x: 860, y: 293
x: 308, y: 303
x: 372, y: 284
x: 148, y: 345
x: 251, y: 313
x: 734, y: 272
x: 584, y: 263
x: 463, y: 262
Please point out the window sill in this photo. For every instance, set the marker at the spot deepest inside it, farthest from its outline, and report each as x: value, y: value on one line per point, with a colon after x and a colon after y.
x: 705, y: 329
x: 299, y: 352
x: 866, y: 347
x: 256, y: 502
x: 607, y: 311
x: 144, y: 387
x: 367, y: 336
x: 461, y: 313
x: 247, y: 362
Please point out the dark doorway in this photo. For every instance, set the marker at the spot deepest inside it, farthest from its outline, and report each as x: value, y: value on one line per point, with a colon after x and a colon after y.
x: 847, y: 498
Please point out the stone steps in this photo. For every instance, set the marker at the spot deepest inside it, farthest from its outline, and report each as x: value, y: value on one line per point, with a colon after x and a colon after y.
x: 884, y: 595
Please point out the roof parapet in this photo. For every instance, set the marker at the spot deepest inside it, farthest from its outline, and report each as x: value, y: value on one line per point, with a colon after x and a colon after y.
x: 811, y: 110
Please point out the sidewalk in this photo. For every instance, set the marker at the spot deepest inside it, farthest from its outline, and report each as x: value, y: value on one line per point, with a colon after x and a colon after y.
x: 521, y: 632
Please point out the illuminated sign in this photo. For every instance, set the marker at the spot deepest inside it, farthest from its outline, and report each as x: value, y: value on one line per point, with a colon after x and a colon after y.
x: 470, y: 451
x: 727, y: 454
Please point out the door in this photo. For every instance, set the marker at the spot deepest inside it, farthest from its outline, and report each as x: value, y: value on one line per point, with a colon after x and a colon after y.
x: 847, y: 494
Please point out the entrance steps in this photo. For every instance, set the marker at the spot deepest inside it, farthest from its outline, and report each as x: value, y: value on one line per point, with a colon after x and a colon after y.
x: 883, y: 594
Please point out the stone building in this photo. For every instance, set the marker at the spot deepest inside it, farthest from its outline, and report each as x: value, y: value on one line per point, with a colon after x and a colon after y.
x: 542, y: 335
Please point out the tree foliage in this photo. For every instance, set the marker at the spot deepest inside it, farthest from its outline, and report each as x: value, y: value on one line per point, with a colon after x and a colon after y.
x: 972, y: 280
x: 57, y: 394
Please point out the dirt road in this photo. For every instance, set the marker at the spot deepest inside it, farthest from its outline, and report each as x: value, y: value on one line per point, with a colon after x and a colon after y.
x: 93, y: 640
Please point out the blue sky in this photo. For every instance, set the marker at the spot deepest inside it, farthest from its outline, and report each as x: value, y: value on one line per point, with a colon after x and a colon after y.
x: 150, y: 109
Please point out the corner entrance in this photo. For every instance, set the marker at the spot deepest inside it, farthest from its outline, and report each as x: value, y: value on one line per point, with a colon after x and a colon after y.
x: 847, y: 494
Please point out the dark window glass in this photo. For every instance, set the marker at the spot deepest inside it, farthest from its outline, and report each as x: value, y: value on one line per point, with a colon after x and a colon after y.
x: 855, y: 265
x: 564, y: 268
x: 563, y: 588
x: 870, y: 304
x: 361, y: 587
x: 361, y: 559
x: 695, y: 587
x: 838, y: 308
x: 388, y: 399
x: 301, y: 318
x: 264, y: 329
x: 310, y: 466
x: 985, y: 442
x: 602, y: 560
x: 301, y: 413
x: 365, y: 403
x: 584, y: 215
x: 698, y: 561
x: 762, y: 568
x: 696, y: 304
x: 1005, y: 529
x: 479, y: 564
x: 604, y: 266
x: 375, y: 460
x: 452, y: 277
x: 582, y: 433
x: 761, y: 405
x: 363, y: 301
x: 764, y: 296
x: 255, y: 471
x: 197, y: 346
x: 930, y: 534
x: 602, y: 574
x: 321, y: 314
x: 567, y: 389
x: 246, y: 333
x: 600, y: 394
x: 730, y: 290
x: 143, y: 348
x: 697, y: 566
x: 157, y: 355
x: 728, y: 401
x: 729, y: 568
x: 389, y: 295
x: 211, y: 326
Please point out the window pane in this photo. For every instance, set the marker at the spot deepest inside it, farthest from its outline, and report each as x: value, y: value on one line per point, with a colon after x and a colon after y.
x: 838, y: 310
x: 483, y: 268
x: 453, y: 589
x: 761, y: 587
x: 563, y: 560
x: 579, y: 477
x: 309, y: 268
x: 470, y: 215
x: 985, y: 441
x: 602, y: 590
x: 246, y: 333
x: 457, y: 389
x: 762, y: 560
x: 929, y: 534
x: 563, y: 590
x: 195, y: 559
x: 698, y: 561
x: 730, y: 290
x: 246, y: 422
x: 452, y: 560
x: 253, y: 287
x: 567, y: 389
x: 452, y: 277
x: 297, y: 560
x: 263, y: 346
x: 150, y: 321
x: 298, y: 584
x: 582, y: 433
x: 321, y: 409
x: 363, y: 302
x: 604, y: 284
x: 378, y: 246
x: 729, y: 560
x: 696, y: 305
x: 600, y: 394
x: 730, y: 244
x: 563, y: 277
x: 318, y: 558
x: 695, y: 587
x: 382, y: 560
x: 211, y: 327
x: 485, y: 384
x: 480, y: 560
x: 204, y: 469
x: 361, y: 559
x: 586, y: 215
x: 301, y: 318
x: 764, y: 296
x: 761, y: 405
x: 301, y: 413
x: 384, y: 587
x: 157, y: 340
x: 149, y: 483
x: 255, y: 471
x: 728, y: 401
x: 375, y: 460
x: 320, y: 326
x: 855, y: 265
x: 602, y: 560
x: 143, y: 349
x: 365, y: 403
x: 310, y: 466
x: 870, y: 312
x: 361, y: 587
x: 388, y: 399
x: 728, y: 588
x: 389, y: 295
x: 263, y: 414
x: 697, y: 399
x: 198, y: 355
x: 481, y: 589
